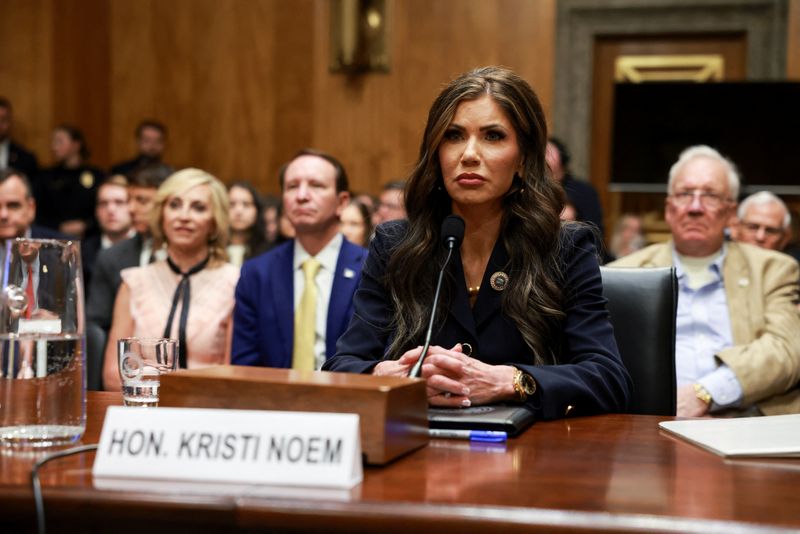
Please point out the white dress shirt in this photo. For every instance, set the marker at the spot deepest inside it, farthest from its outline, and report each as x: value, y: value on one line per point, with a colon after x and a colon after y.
x: 704, y: 328
x: 327, y: 257
x: 4, y: 153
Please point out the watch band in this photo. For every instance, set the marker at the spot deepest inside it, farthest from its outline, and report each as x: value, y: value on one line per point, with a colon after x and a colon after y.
x: 702, y: 394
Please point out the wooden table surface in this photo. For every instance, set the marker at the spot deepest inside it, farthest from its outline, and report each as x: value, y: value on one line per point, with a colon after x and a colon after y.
x: 612, y: 472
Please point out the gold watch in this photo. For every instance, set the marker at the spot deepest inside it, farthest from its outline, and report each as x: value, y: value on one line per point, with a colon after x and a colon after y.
x: 524, y: 385
x: 702, y: 394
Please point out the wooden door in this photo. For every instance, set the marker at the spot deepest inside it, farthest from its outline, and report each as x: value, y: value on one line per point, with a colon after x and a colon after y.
x: 683, y: 59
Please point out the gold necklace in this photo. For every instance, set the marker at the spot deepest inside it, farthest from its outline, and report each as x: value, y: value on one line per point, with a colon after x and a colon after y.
x: 473, y: 291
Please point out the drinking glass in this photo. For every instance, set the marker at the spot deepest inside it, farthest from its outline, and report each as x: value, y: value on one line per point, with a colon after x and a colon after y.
x: 42, y: 343
x: 141, y: 363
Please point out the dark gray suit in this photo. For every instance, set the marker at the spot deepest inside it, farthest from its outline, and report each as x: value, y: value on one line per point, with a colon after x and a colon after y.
x: 100, y: 308
x: 106, y: 279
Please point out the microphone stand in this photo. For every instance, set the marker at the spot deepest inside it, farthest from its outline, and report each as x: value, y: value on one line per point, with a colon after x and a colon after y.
x: 416, y: 370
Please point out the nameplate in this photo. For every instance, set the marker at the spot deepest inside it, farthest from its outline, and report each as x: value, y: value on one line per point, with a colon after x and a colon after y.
x: 39, y: 326
x: 233, y: 446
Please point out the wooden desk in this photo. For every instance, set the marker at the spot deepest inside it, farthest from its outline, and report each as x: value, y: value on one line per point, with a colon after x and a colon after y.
x: 614, y: 472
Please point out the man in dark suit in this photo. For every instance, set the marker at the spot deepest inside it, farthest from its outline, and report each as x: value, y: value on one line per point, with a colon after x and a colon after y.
x: 580, y: 193
x: 113, y: 221
x: 12, y: 155
x: 294, y: 302
x: 127, y: 253
x: 18, y: 208
x: 151, y: 138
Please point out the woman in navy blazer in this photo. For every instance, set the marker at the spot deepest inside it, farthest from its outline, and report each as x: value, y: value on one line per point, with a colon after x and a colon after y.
x: 522, y: 316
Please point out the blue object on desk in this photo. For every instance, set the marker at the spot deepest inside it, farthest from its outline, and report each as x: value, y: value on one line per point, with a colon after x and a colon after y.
x: 486, y: 436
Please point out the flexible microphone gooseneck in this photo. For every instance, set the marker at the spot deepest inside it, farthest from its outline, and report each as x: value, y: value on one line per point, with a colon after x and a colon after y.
x: 452, y: 235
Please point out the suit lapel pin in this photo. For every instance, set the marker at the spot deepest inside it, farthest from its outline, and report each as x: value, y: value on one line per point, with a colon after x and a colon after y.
x: 349, y: 273
x: 499, y: 281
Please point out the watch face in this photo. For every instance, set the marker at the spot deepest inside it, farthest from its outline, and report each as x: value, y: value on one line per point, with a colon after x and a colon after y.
x: 528, y: 384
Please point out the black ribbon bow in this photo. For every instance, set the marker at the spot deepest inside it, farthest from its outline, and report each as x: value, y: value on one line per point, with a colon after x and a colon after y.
x: 184, y: 289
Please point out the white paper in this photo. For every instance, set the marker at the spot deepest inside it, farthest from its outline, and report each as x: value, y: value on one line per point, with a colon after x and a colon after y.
x: 769, y: 436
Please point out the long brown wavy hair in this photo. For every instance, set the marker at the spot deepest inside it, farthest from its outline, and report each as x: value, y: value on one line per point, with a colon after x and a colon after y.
x: 529, y: 232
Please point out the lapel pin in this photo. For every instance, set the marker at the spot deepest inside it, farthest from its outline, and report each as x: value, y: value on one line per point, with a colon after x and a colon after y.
x: 349, y: 273
x: 498, y: 281
x: 744, y: 282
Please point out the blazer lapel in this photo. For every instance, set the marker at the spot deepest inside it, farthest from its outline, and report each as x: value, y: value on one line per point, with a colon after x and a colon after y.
x: 489, y: 300
x: 736, y: 276
x: 282, y: 295
x: 460, y: 310
x: 345, y: 280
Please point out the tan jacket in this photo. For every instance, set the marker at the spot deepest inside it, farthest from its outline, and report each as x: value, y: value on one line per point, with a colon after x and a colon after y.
x: 761, y: 286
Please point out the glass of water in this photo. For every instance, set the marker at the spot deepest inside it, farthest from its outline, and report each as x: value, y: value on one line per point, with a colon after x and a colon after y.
x: 42, y: 343
x: 141, y: 362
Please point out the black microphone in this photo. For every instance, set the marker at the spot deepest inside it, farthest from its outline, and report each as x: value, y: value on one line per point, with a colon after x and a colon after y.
x: 452, y: 236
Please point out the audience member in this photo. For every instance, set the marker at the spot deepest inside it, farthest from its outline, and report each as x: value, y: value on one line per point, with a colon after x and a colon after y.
x: 763, y: 220
x: 523, y: 317
x: 391, y: 205
x: 294, y: 302
x: 568, y: 213
x: 66, y: 193
x: 151, y: 139
x: 627, y: 237
x: 13, y: 155
x: 136, y: 251
x: 580, y: 193
x: 737, y: 348
x: 357, y: 223
x: 792, y: 247
x: 370, y: 201
x: 271, y: 214
x: 188, y: 296
x: 247, y: 238
x: 18, y: 208
x: 113, y: 221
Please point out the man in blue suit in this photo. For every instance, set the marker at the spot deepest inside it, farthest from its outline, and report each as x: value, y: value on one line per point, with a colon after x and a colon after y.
x: 272, y: 326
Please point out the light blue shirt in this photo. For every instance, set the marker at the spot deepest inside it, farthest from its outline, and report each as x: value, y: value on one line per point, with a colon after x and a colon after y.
x: 703, y: 329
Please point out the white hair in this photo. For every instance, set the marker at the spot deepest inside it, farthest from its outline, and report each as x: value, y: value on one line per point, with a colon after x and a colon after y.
x: 763, y: 198
x: 704, y: 151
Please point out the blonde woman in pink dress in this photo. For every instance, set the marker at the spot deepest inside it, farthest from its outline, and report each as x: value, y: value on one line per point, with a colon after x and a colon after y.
x: 188, y: 296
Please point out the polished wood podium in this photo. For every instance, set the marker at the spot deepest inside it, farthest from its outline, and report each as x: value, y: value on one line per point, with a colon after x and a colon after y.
x: 604, y: 473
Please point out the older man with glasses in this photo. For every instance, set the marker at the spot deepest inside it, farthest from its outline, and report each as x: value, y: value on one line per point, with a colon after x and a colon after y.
x: 737, y: 348
x: 763, y: 221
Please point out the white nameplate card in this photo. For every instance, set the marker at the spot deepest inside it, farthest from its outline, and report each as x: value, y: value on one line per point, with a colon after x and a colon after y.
x: 39, y: 326
x: 235, y: 446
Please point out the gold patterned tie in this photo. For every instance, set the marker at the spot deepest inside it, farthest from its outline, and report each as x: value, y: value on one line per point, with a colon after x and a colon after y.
x: 305, y: 320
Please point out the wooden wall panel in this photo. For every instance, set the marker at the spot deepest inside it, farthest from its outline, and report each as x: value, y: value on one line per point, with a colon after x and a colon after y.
x: 793, y: 44
x: 228, y: 78
x: 374, y: 122
x: 80, y: 71
x: 26, y: 70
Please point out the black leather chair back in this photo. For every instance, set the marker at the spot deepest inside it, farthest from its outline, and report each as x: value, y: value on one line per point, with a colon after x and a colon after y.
x: 643, y: 304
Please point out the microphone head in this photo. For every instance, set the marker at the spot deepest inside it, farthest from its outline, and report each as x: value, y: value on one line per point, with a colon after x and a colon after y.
x: 453, y: 230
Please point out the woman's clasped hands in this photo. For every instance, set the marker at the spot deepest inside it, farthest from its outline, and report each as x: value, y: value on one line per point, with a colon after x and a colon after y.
x: 454, y: 379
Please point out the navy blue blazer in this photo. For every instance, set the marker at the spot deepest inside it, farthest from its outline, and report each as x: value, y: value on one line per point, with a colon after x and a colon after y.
x: 589, y: 377
x: 263, y: 318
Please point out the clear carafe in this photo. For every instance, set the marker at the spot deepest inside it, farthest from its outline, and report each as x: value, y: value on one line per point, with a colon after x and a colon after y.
x: 42, y: 343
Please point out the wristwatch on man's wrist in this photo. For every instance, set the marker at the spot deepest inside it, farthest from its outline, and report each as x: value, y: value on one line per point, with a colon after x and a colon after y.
x: 702, y: 394
x: 524, y: 385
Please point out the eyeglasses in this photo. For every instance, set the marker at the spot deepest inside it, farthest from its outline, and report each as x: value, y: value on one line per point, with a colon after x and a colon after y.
x: 707, y: 199
x: 753, y: 228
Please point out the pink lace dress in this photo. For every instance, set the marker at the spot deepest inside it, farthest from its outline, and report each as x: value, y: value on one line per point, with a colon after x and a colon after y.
x: 210, y: 310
